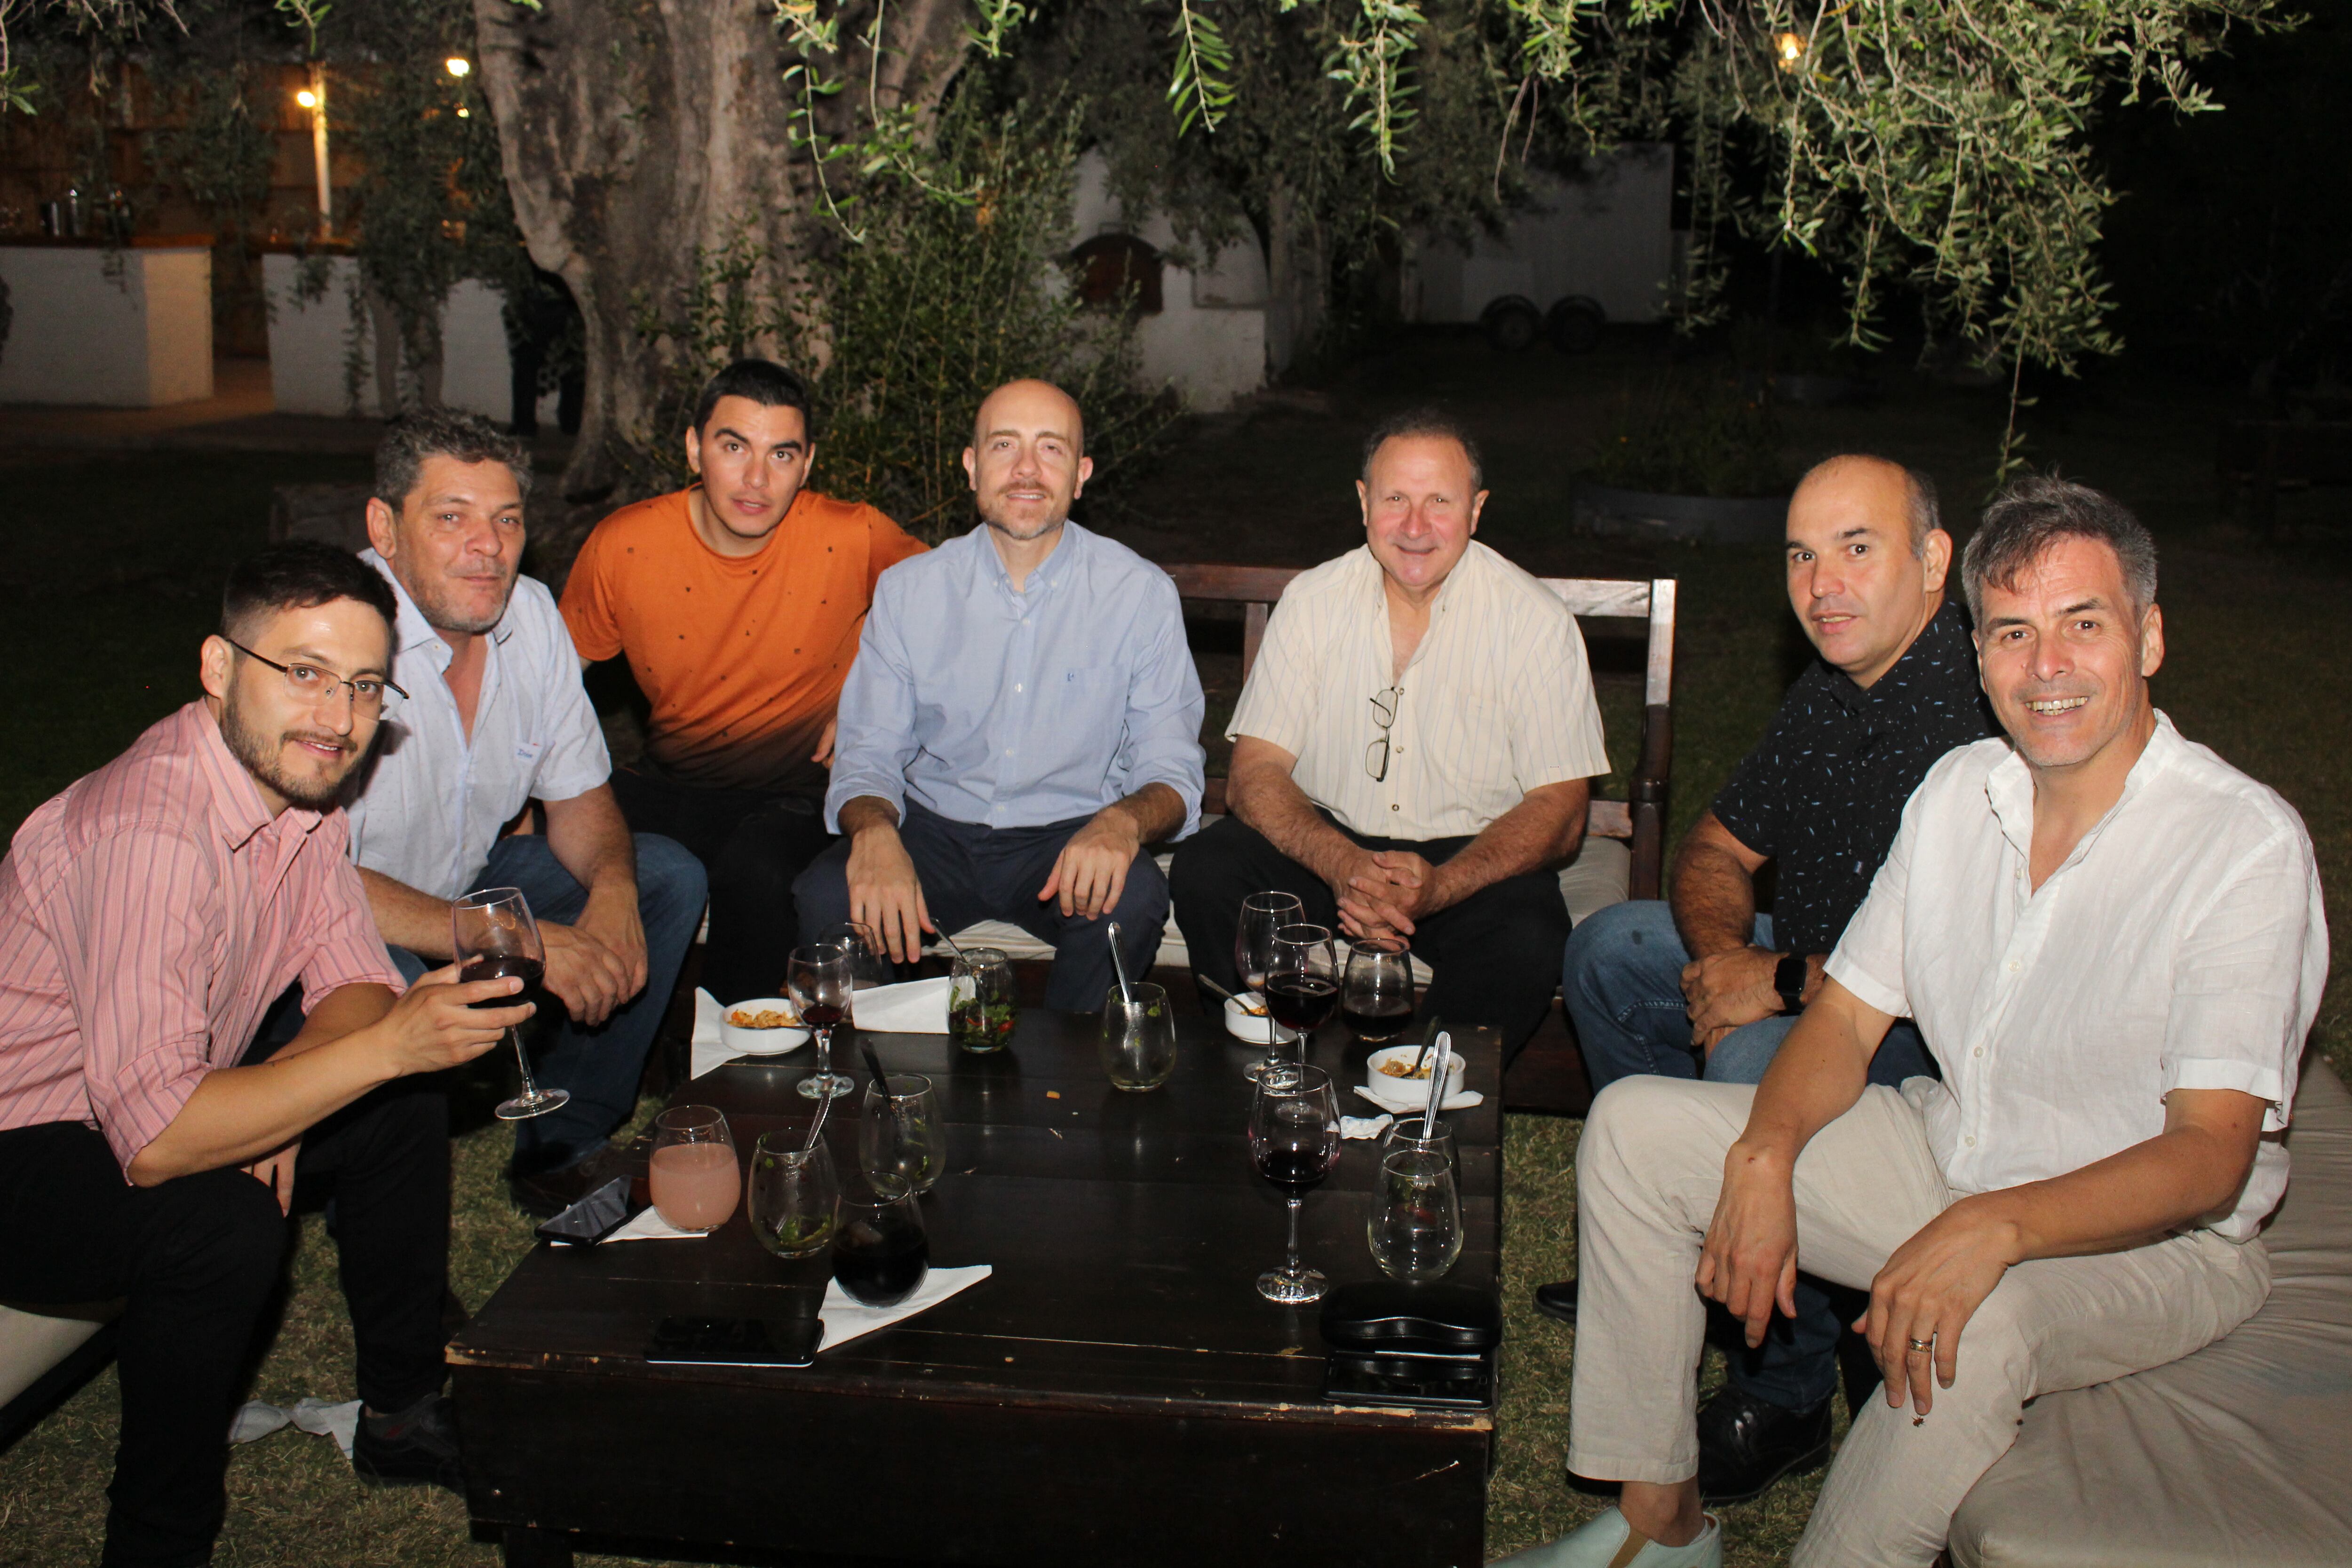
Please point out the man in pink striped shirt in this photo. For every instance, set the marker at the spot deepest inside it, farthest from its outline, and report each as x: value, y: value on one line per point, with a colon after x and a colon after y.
x: 147, y: 916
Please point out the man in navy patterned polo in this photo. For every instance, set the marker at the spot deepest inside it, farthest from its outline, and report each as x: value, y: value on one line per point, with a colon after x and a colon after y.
x: 1703, y: 982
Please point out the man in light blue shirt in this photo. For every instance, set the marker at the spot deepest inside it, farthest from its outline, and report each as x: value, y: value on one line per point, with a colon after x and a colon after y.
x: 1024, y: 717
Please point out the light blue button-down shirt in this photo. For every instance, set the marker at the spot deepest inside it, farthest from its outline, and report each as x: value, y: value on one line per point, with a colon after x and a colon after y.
x: 1019, y: 709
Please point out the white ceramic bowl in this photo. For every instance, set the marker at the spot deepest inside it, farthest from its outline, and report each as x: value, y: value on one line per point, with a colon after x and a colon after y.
x: 1394, y: 1087
x: 1243, y: 1025
x: 745, y: 1042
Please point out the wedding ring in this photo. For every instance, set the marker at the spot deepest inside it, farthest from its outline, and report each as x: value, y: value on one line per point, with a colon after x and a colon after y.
x: 1923, y: 1346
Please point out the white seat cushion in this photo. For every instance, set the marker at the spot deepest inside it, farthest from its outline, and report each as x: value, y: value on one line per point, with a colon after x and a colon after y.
x: 33, y: 1338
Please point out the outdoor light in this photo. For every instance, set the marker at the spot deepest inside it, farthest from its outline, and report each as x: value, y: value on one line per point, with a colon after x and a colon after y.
x: 459, y: 65
x: 1791, y: 48
x: 307, y: 99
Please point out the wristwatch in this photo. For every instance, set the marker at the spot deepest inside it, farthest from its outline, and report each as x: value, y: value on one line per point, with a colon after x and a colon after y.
x: 1789, y: 980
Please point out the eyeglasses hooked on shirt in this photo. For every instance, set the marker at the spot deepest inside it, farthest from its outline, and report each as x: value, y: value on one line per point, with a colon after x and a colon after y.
x: 1385, y: 712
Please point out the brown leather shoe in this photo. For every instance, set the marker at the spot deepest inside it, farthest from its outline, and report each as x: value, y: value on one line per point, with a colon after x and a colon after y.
x: 543, y: 1195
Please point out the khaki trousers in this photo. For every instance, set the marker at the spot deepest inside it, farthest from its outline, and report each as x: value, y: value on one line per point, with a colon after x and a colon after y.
x: 1648, y: 1172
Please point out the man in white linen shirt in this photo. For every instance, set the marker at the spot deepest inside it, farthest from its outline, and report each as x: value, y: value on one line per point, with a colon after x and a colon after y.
x: 1413, y: 749
x: 497, y: 718
x: 2114, y: 943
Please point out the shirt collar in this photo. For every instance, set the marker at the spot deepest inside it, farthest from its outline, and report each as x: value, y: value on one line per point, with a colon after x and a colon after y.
x: 238, y: 810
x: 410, y: 630
x: 2009, y: 788
x: 1048, y: 573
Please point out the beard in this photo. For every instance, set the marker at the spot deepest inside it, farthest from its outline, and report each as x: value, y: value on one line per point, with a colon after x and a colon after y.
x: 996, y: 514
x: 264, y: 757
x: 444, y: 612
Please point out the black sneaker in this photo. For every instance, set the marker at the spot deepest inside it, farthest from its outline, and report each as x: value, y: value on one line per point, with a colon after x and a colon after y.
x: 1745, y: 1445
x: 1557, y: 1299
x: 411, y: 1446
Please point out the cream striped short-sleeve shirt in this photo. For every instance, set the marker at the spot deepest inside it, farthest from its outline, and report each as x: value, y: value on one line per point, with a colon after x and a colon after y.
x: 1496, y: 701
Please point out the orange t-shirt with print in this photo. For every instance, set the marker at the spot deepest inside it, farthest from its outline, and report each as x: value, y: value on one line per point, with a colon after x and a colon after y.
x: 742, y: 658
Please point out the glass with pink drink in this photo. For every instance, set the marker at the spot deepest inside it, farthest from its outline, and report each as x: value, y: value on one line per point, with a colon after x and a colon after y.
x: 694, y: 1178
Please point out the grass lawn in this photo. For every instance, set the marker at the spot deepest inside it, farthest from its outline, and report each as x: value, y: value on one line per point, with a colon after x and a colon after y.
x: 110, y: 581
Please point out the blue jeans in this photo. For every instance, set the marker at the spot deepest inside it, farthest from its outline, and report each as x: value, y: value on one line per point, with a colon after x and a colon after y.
x: 972, y: 872
x: 601, y: 1066
x: 1621, y: 978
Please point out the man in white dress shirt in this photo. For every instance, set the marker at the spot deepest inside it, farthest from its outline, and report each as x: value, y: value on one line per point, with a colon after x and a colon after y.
x: 1413, y: 749
x: 2114, y: 943
x: 496, y: 718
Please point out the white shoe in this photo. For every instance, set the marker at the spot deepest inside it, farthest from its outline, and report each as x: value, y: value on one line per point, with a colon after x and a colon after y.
x: 1609, y: 1542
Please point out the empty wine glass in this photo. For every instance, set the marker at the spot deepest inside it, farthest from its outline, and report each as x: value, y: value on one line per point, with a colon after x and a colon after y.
x: 869, y: 965
x: 1376, y: 989
x: 1294, y: 1129
x: 880, y: 1254
x: 795, y: 1199
x: 817, y: 979
x: 693, y: 1174
x: 898, y: 1137
x: 492, y: 935
x: 1262, y: 914
x: 1415, y: 1227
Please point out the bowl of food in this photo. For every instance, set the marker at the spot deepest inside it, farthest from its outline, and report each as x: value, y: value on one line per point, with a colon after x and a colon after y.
x: 1247, y: 1019
x: 762, y: 1026
x: 1389, y: 1072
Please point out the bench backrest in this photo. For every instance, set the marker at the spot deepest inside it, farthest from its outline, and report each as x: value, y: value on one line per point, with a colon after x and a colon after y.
x: 1641, y: 817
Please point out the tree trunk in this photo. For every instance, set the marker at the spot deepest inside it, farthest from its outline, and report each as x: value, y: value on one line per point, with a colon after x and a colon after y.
x: 634, y: 131
x: 1297, y: 279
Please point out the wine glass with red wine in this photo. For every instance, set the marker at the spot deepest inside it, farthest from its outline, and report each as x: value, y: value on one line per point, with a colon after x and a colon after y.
x: 492, y: 935
x: 1294, y: 1129
x: 1262, y: 915
x: 1302, y: 979
x: 1376, y: 989
x: 819, y: 981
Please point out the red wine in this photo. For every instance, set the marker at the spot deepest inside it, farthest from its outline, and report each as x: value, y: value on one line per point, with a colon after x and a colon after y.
x: 822, y: 1015
x: 498, y: 967
x: 880, y: 1268
x: 1376, y: 1028
x: 1296, y: 1172
x: 1301, y: 1002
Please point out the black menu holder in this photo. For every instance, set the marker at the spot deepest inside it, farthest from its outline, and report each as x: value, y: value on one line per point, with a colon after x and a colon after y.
x: 1387, y: 1342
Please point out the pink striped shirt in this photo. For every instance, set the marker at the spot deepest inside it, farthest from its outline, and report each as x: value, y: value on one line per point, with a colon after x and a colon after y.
x: 149, y: 915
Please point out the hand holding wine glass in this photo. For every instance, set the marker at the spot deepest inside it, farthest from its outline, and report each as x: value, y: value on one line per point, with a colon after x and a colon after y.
x: 493, y: 935
x: 1294, y: 1131
x: 443, y: 1021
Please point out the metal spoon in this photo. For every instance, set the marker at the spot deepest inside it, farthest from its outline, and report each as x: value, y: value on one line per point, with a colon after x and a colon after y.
x: 1435, y: 1024
x: 1437, y: 1072
x: 1118, y: 966
x: 816, y: 1124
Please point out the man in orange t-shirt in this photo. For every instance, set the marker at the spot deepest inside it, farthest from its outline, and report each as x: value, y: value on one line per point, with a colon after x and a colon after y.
x: 738, y: 603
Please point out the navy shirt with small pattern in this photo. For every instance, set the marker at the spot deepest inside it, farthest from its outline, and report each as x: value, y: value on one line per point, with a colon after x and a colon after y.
x: 1823, y: 792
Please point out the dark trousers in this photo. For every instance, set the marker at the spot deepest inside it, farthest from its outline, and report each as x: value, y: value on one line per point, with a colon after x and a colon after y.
x: 972, y: 872
x: 197, y: 1259
x: 1496, y: 953
x: 752, y: 844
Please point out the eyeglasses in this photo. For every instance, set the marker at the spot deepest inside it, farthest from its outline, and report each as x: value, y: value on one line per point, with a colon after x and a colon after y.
x: 313, y: 685
x: 1385, y: 712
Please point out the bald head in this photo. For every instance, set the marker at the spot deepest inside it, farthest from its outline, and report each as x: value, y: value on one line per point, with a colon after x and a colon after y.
x: 1027, y: 459
x: 1866, y: 562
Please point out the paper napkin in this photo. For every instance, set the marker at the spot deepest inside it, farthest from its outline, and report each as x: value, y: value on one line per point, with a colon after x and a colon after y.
x: 846, y: 1319
x: 915, y: 1007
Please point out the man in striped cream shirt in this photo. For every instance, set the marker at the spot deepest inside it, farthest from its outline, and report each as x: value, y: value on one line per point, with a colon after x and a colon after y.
x: 1413, y: 749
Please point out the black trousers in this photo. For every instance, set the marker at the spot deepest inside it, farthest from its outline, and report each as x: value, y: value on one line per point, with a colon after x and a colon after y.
x: 197, y: 1259
x: 1496, y: 953
x: 752, y: 844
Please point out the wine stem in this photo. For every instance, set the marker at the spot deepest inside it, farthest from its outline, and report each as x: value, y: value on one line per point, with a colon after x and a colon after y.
x: 1290, y: 1253
x: 522, y: 1059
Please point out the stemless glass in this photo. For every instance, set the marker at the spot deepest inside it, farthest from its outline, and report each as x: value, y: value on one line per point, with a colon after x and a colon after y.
x: 899, y: 1139
x: 817, y: 979
x: 981, y: 1008
x: 795, y: 1199
x: 491, y: 935
x: 869, y: 965
x: 1414, y: 1228
x: 1302, y: 979
x: 1294, y: 1129
x: 880, y: 1254
x: 1376, y: 990
x: 693, y: 1175
x: 1139, y: 1037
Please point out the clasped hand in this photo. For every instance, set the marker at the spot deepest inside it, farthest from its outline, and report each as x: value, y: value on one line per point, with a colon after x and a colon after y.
x: 597, y: 964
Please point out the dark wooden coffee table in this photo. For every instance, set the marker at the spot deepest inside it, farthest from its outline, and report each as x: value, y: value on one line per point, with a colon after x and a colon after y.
x: 1115, y: 1394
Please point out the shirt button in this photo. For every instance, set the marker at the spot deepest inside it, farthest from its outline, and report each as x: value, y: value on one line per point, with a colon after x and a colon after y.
x: 1396, y: 808
x: 2015, y: 965
x: 1980, y: 1050
x: 1969, y: 1140
x: 1018, y: 687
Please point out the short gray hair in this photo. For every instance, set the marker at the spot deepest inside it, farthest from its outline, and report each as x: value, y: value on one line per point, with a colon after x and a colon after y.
x: 2032, y: 514
x: 1434, y: 426
x: 424, y: 432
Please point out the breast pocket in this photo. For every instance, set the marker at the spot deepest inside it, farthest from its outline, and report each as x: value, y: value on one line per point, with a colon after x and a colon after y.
x: 1088, y: 703
x: 526, y: 752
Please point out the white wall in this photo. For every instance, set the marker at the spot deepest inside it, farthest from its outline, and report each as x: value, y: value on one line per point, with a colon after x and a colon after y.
x: 1605, y: 234
x: 138, y: 339
x: 1208, y: 339
x: 310, y: 339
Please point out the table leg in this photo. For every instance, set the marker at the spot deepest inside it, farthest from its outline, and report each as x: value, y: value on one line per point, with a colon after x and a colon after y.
x: 527, y: 1546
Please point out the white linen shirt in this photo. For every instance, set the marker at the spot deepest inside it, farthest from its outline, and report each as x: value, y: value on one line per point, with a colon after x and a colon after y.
x: 1497, y: 698
x: 2181, y: 945
x: 427, y: 805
